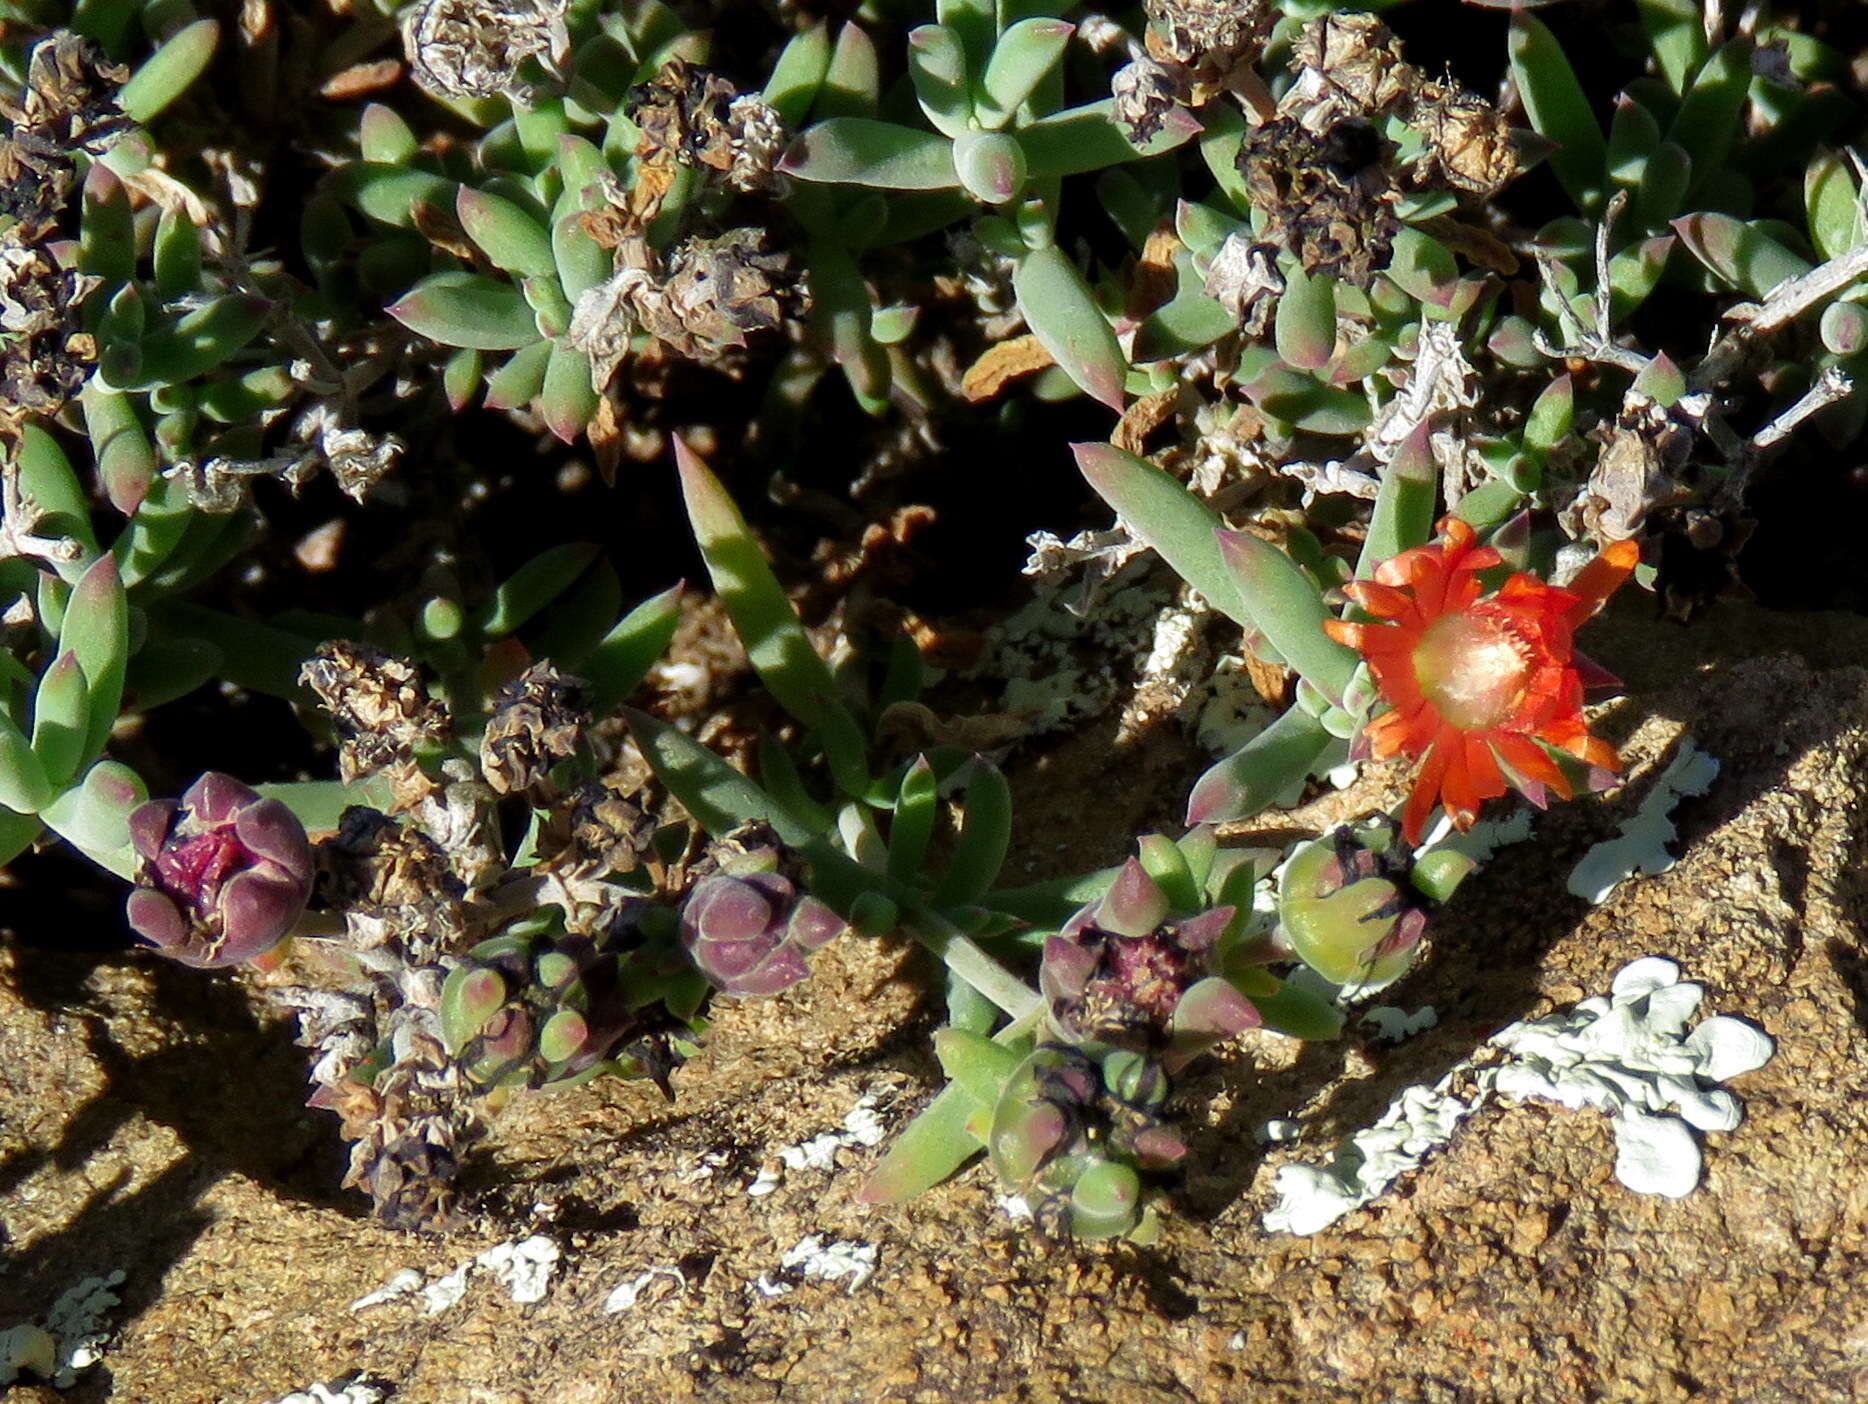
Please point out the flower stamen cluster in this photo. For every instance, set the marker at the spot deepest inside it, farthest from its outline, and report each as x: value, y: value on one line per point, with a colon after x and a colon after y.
x: 1481, y: 684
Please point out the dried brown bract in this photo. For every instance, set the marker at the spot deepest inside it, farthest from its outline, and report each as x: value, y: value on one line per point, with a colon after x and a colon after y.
x: 1644, y: 452
x: 481, y: 48
x: 407, y: 1129
x: 696, y: 117
x: 46, y: 354
x: 378, y: 705
x: 1212, y: 36
x: 705, y: 299
x: 538, y: 719
x: 1243, y: 277
x: 581, y: 846
x: 1145, y: 92
x: 70, y: 105
x: 391, y: 881
x: 1467, y: 141
x: 1328, y: 196
x: 1350, y: 64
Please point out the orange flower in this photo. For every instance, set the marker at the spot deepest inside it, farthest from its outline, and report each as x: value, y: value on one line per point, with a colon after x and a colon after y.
x: 1475, y: 683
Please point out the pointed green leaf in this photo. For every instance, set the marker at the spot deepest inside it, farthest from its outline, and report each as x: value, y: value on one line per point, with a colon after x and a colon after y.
x: 465, y: 309
x: 862, y: 151
x: 853, y: 84
x: 168, y: 72
x: 517, y: 383
x: 1404, y: 504
x: 568, y: 399
x: 1558, y: 108
x: 96, y: 629
x: 1676, y: 32
x: 1740, y: 254
x: 762, y: 616
x: 1064, y: 317
x: 47, y: 482
x: 1255, y: 775
x: 384, y: 137
x: 1833, y: 205
x: 389, y: 194
x: 1176, y: 524
x: 1289, y: 610
x: 937, y: 66
x: 930, y: 1148
x: 1089, y: 138
x: 1023, y: 57
x: 506, y: 233
x: 1305, y: 324
x: 985, y: 835
x: 619, y: 663
x: 911, y: 825
x: 60, y: 718
x: 126, y: 461
x: 531, y: 587
x: 799, y: 74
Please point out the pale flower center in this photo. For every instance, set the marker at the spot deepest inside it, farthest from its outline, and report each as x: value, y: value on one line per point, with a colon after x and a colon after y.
x: 1471, y: 670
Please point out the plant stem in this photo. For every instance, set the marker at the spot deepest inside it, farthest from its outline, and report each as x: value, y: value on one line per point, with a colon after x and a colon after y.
x: 963, y: 956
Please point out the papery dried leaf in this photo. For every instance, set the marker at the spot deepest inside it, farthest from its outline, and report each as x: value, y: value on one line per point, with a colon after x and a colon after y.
x: 1003, y: 363
x: 479, y: 48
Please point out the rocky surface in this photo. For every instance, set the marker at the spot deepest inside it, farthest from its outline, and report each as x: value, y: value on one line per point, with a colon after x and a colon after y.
x: 148, y: 1124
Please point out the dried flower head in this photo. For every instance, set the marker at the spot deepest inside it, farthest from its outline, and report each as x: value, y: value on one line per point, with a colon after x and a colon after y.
x: 1145, y: 91
x: 69, y: 106
x: 696, y: 117
x: 1466, y: 142
x: 538, y: 719
x: 46, y: 354
x: 223, y: 876
x: 1350, y: 64
x: 378, y: 704
x: 480, y: 48
x: 1328, y: 197
x: 703, y: 301
x: 1212, y: 36
x: 1479, y: 683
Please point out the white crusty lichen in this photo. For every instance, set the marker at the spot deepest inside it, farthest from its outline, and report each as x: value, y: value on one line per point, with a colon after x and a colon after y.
x: 71, y: 1339
x: 862, y: 1126
x: 1627, y: 1053
x: 1641, y: 846
x: 626, y: 1295
x: 524, y: 1267
x: 816, y: 1258
x: 351, y: 1389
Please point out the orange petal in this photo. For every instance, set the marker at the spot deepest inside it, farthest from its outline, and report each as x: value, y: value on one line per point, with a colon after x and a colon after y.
x: 1483, y: 776
x: 1530, y: 760
x: 1382, y: 601
x: 1421, y: 798
x: 1595, y: 582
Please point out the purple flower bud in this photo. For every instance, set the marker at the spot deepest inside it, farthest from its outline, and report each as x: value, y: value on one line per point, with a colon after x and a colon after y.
x: 224, y: 874
x: 749, y: 934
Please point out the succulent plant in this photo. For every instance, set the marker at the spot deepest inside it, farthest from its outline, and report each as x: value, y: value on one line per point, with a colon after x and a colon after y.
x: 1123, y: 974
x: 223, y: 876
x: 746, y: 925
x: 1347, y: 906
x: 1075, y: 1134
x: 538, y: 1009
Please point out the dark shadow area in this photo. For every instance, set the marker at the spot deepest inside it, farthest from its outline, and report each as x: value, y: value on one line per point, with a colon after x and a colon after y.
x: 231, y: 1088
